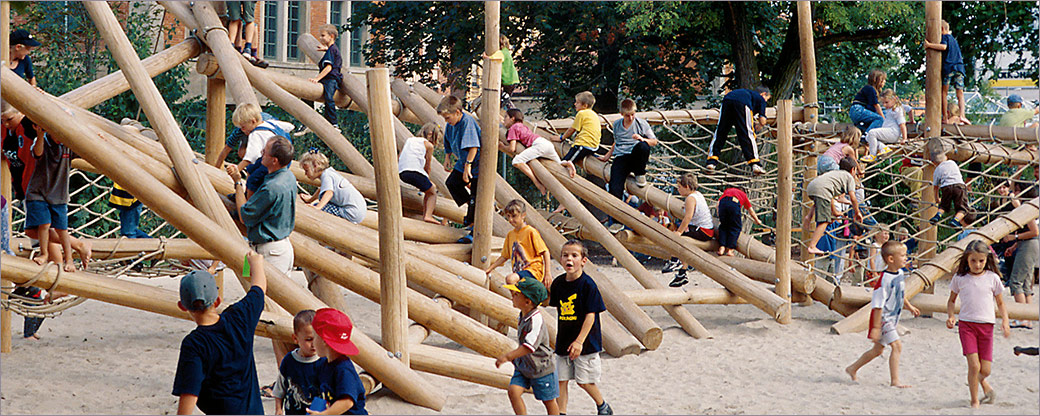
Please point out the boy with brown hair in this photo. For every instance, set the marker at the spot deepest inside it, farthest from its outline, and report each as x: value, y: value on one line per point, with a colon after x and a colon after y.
x: 461, y: 139
x: 523, y: 245
x: 298, y: 371
x: 329, y: 75
x: 533, y: 365
x: 586, y: 125
x: 953, y: 193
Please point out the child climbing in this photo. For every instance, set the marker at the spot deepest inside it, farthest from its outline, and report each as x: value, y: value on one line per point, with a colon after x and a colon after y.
x: 977, y: 283
x: 730, y: 223
x: 335, y: 195
x: 737, y: 109
x: 696, y: 223
x: 845, y: 147
x: 413, y: 166
x: 952, y: 73
x: 537, y: 146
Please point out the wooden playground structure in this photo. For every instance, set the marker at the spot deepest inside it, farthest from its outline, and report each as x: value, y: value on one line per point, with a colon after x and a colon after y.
x: 423, y: 281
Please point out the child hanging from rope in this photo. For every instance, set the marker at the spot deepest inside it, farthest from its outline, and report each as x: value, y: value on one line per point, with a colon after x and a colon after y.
x: 413, y: 166
x: 537, y: 146
x: 737, y: 109
x: 585, y: 129
x: 892, y: 131
x: 335, y: 195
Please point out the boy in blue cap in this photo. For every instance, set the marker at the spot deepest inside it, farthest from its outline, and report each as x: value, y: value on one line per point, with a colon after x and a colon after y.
x: 533, y: 362
x: 216, y: 370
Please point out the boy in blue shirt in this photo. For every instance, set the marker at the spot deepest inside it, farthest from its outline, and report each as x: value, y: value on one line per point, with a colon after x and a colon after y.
x: 216, y: 370
x: 462, y: 139
x: 952, y: 71
x: 738, y: 107
x: 338, y: 383
x: 330, y: 75
x: 578, y: 337
x: 298, y: 372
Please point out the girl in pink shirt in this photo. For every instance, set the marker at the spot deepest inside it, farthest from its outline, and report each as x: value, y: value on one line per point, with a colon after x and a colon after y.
x: 977, y: 282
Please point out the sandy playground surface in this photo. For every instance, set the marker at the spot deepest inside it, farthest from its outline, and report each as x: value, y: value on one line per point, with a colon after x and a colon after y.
x: 103, y: 359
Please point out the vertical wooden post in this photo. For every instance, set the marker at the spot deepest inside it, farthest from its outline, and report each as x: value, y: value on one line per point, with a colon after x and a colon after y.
x: 216, y: 119
x: 394, y: 306
x: 785, y: 188
x: 5, y: 169
x: 489, y: 120
x: 933, y: 125
x: 810, y: 104
x: 219, y: 279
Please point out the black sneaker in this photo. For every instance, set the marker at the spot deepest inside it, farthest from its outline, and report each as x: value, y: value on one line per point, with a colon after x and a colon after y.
x: 604, y: 409
x: 680, y: 279
x: 671, y: 266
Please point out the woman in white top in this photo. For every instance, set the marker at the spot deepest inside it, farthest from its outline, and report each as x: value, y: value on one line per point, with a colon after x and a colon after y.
x: 413, y: 166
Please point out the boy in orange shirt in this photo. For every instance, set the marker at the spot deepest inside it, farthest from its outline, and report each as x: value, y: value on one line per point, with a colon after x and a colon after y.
x: 523, y: 245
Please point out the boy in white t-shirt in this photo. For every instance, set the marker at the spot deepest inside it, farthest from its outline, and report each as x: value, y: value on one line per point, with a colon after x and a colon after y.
x: 248, y: 118
x: 949, y: 186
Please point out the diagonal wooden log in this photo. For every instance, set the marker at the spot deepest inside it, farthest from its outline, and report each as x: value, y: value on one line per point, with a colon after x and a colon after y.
x: 111, y: 85
x: 229, y: 248
x: 124, y: 293
x: 592, y: 226
x: 739, y: 284
x: 942, y: 265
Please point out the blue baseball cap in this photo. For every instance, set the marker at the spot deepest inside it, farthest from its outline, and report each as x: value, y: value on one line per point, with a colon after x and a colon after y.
x: 198, y: 286
x: 1014, y: 98
x: 23, y: 37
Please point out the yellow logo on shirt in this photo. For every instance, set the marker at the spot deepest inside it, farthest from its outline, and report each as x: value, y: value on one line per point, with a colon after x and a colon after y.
x: 567, y: 309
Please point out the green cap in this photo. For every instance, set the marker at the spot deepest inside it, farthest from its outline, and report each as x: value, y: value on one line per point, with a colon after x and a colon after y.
x: 530, y: 287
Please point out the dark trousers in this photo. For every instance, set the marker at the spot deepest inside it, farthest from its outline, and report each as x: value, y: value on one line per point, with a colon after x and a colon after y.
x: 463, y: 193
x: 30, y: 325
x: 735, y: 115
x: 329, y: 87
x: 634, y: 163
x: 129, y: 221
x: 730, y: 222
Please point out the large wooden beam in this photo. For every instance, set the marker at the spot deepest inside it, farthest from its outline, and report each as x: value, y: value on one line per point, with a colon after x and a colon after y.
x: 216, y: 37
x: 490, y: 116
x: 785, y: 191
x: 5, y: 171
x: 960, y: 151
x: 103, y: 248
x: 392, y: 281
x: 229, y: 248
x: 216, y: 119
x: 942, y: 265
x: 125, y: 293
x: 684, y: 296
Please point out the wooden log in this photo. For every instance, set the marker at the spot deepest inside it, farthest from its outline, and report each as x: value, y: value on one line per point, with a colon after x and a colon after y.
x: 183, y: 12
x: 159, y: 115
x: 961, y: 151
x: 5, y: 171
x: 231, y: 249
x: 461, y: 366
x: 125, y: 293
x: 216, y: 119
x: 111, y: 85
x: 859, y: 296
x: 650, y: 340
x: 489, y: 122
x: 684, y: 296
x: 413, y: 102
x: 942, y: 265
x: 785, y: 188
x: 392, y: 281
x: 216, y: 38
x: 710, y: 266
x: 808, y: 60
x: 170, y: 249
x: 328, y: 292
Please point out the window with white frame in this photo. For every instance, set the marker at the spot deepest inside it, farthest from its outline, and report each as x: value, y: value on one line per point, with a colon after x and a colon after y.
x: 283, y: 22
x: 350, y: 42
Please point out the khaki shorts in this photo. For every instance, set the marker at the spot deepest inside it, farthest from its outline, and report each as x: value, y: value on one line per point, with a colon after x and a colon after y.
x: 585, y: 370
x: 822, y: 208
x: 277, y: 253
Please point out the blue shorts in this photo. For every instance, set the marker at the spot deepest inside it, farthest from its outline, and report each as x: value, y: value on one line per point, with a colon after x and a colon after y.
x: 39, y: 213
x: 954, y: 79
x: 545, y: 388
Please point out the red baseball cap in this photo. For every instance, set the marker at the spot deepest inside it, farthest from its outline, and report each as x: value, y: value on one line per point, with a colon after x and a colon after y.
x: 334, y: 327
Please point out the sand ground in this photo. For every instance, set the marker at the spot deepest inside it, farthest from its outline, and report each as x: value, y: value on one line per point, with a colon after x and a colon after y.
x: 103, y: 359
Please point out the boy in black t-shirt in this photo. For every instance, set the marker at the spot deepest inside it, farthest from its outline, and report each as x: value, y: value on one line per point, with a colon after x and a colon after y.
x: 339, y: 386
x: 297, y: 384
x: 578, y: 338
x: 330, y: 75
x: 216, y: 370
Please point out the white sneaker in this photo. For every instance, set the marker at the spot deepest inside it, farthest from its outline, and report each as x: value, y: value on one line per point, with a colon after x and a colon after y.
x: 301, y: 132
x: 640, y: 180
x: 758, y: 169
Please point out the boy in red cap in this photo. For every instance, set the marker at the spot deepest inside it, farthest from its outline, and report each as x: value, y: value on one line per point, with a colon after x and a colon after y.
x: 338, y: 382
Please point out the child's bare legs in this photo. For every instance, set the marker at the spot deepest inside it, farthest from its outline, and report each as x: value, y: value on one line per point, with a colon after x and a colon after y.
x: 551, y: 407
x: 974, y: 370
x: 234, y: 28
x: 515, y: 398
x: 960, y: 105
x: 570, y: 167
x: 523, y: 167
x: 44, y: 234
x: 84, y: 248
x: 871, y: 354
x: 893, y: 364
x: 429, y: 203
x: 593, y: 390
x: 945, y: 106
x: 66, y: 247
x: 816, y: 236
x: 561, y: 402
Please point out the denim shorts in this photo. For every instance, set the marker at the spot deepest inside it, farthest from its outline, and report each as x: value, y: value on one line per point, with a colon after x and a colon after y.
x: 39, y: 213
x: 545, y: 387
x: 954, y: 79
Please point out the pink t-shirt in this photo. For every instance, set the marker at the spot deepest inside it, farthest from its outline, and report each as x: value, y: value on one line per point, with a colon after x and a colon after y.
x: 835, y: 151
x: 518, y: 131
x: 976, y: 294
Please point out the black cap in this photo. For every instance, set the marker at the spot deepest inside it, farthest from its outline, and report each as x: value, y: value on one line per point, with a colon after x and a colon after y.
x: 22, y: 36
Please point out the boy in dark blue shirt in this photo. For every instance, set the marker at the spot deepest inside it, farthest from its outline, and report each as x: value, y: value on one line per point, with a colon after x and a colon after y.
x: 216, y: 370
x: 462, y: 139
x: 330, y: 75
x: 298, y: 372
x: 952, y: 72
x: 738, y: 107
x: 578, y: 337
x: 338, y: 383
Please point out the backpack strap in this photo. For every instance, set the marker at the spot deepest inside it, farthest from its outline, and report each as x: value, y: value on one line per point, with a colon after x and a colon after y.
x: 273, y: 128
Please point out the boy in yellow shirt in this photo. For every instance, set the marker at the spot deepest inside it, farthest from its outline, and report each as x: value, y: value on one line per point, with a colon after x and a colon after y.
x: 587, y: 126
x: 523, y: 245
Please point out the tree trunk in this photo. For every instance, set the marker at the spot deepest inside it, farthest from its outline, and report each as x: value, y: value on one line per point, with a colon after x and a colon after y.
x: 745, y: 64
x: 787, y: 69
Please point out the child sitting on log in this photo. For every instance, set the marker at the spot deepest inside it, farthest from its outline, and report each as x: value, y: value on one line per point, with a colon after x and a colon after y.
x: 413, y: 166
x: 222, y: 341
x: 533, y: 363
x: 536, y: 146
x: 339, y: 386
x: 523, y: 245
x: 335, y: 195
x: 886, y: 302
x: 633, y: 138
x: 696, y: 223
x: 578, y: 338
x: 585, y: 129
x: 949, y: 186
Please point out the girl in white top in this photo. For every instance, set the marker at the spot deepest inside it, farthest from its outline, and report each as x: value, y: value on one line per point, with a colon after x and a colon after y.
x: 696, y: 222
x: 892, y: 131
x: 413, y: 166
x: 336, y: 195
x: 977, y: 282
